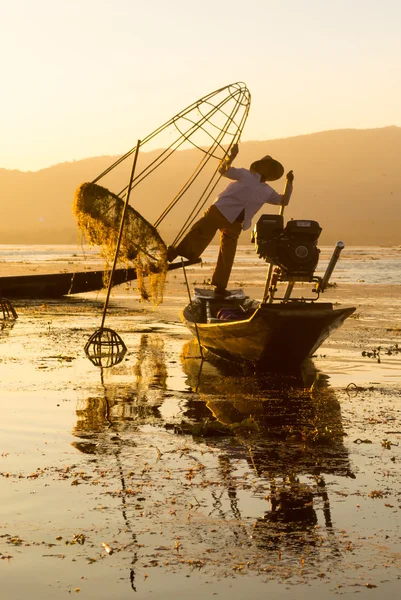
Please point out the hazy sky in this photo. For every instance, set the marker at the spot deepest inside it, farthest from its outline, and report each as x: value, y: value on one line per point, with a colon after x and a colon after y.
x: 84, y: 78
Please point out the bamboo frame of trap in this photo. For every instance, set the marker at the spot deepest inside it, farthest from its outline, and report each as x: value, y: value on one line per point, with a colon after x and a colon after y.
x: 7, y: 311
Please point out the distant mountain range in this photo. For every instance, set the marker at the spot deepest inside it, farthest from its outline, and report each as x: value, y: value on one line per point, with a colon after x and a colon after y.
x: 347, y: 180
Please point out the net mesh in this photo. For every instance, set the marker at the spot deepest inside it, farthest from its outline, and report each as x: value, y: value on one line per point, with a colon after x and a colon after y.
x: 98, y: 212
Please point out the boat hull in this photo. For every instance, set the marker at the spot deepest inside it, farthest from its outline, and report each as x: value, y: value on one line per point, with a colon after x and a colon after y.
x: 56, y: 285
x: 276, y: 336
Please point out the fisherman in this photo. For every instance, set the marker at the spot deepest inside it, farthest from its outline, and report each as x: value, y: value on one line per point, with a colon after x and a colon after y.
x: 232, y: 213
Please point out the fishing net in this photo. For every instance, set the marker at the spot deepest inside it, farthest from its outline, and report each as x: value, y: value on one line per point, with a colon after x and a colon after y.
x: 98, y: 212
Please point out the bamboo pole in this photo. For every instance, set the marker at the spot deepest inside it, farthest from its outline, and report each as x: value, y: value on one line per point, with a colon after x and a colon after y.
x: 106, y: 304
x: 192, y: 309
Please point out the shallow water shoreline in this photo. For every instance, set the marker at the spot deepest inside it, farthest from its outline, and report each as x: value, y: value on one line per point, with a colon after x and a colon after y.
x: 197, y: 477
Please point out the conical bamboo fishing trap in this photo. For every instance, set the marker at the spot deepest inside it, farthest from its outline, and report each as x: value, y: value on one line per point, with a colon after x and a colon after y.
x: 209, y: 128
x: 7, y: 311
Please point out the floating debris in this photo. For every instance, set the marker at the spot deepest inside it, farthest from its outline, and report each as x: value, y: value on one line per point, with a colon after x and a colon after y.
x: 376, y: 352
x: 107, y: 548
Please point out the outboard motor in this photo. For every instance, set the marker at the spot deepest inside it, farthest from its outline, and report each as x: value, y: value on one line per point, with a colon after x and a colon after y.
x: 293, y: 248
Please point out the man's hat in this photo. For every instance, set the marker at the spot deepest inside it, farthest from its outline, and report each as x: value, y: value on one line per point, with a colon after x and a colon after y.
x: 269, y: 168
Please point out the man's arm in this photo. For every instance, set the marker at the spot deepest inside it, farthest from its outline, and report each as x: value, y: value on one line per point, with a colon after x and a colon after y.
x: 227, y: 160
x: 286, y: 195
x: 273, y: 197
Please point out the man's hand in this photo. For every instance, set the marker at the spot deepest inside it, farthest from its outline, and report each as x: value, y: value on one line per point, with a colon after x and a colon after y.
x: 228, y: 159
x: 290, y: 176
x: 234, y: 151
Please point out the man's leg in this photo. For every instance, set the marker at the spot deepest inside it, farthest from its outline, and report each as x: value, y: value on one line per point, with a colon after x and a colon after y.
x: 199, y: 236
x: 228, y: 246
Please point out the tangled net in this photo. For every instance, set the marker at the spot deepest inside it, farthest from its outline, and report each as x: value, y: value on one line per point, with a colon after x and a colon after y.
x: 98, y: 212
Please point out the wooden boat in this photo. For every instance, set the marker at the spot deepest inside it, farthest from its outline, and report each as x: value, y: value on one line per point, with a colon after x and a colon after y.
x: 56, y: 285
x: 265, y: 335
x: 276, y: 333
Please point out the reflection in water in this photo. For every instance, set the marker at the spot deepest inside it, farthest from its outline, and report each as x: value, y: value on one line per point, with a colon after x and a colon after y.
x: 6, y: 326
x: 118, y: 409
x: 278, y: 439
x: 300, y: 434
x: 123, y: 402
x: 292, y: 408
